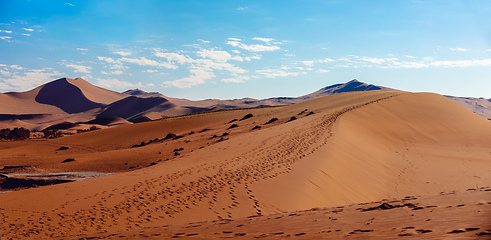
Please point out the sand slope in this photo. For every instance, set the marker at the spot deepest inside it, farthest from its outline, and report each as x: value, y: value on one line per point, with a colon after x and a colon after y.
x: 342, y: 149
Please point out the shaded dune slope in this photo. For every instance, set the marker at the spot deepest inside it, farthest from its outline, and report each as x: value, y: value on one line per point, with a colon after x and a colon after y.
x: 69, y: 98
x: 356, y: 147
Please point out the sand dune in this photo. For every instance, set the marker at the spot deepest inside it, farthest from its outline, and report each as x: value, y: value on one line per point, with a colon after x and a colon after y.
x: 342, y: 149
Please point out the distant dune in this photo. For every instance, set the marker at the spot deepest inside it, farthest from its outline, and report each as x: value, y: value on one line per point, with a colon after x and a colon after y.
x: 233, y: 167
x: 78, y: 101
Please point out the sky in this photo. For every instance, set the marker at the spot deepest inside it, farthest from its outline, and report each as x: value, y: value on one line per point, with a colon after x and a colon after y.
x: 235, y: 49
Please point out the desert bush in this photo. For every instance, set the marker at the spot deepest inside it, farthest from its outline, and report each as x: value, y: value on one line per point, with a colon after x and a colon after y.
x: 292, y: 118
x: 233, y: 126
x: 4, y: 133
x: 93, y: 128
x: 247, y: 116
x: 52, y: 133
x: 272, y: 120
x: 15, y: 134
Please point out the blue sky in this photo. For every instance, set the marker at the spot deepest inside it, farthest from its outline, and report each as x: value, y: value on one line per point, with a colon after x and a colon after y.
x: 259, y: 49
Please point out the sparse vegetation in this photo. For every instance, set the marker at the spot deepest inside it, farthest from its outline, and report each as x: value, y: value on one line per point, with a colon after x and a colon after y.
x: 233, y: 120
x: 52, y: 133
x: 272, y: 120
x: 169, y: 136
x: 256, y: 127
x: 247, y: 116
x: 310, y: 113
x: 233, y: 126
x: 292, y: 119
x: 15, y: 134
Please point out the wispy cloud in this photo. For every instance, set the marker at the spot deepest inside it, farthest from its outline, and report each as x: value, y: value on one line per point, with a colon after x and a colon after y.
x: 253, y: 47
x: 27, y: 79
x: 237, y: 79
x: 198, y: 76
x: 124, y: 54
x: 82, y: 49
x: 5, y: 37
x: 28, y: 29
x: 459, y: 49
x: 266, y: 40
x: 5, y: 31
x: 79, y: 68
x: 69, y: 4
x: 143, y: 61
x: 242, y: 8
x: 274, y: 73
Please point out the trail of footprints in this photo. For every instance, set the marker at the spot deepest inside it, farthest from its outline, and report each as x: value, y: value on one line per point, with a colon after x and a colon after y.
x: 164, y: 197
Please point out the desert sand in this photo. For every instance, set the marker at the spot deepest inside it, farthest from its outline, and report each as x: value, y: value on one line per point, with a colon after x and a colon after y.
x: 249, y: 177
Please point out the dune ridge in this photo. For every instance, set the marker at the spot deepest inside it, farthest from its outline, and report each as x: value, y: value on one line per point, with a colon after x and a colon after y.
x: 342, y: 149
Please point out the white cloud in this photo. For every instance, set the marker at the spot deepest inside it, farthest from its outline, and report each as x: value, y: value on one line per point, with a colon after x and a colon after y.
x: 219, y: 56
x: 308, y: 63
x: 198, y: 77
x: 148, y: 62
x: 26, y: 34
x: 238, y: 79
x: 459, y: 49
x: 238, y: 52
x: 16, y: 67
x: 5, y: 37
x: 28, y: 29
x: 5, y: 31
x: 234, y: 39
x: 80, y: 68
x: 274, y: 73
x: 322, y: 71
x: 29, y: 79
x: 150, y: 71
x: 124, y: 54
x: 69, y: 4
x: 116, y: 84
x: 171, y: 57
x: 107, y: 59
x: 254, y: 47
x: 82, y: 49
x: 203, y: 41
x: 117, y: 72
x: 242, y: 8
x: 266, y: 40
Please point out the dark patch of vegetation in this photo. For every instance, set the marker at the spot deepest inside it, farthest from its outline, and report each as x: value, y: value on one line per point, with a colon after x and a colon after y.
x: 272, y: 120
x: 169, y: 136
x: 310, y: 113
x: 204, y: 130
x: 256, y: 127
x: 177, y: 137
x: 214, y: 136
x: 247, y: 116
x: 15, y: 134
x: 233, y: 120
x: 52, y: 133
x: 224, y: 134
x: 92, y: 128
x: 68, y: 160
x: 178, y: 149
x: 292, y: 119
x: 305, y: 110
x: 233, y: 126
x: 191, y: 133
x: 62, y: 148
x: 139, y: 145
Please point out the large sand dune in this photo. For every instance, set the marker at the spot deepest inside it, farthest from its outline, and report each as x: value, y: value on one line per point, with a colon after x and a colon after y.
x: 342, y: 149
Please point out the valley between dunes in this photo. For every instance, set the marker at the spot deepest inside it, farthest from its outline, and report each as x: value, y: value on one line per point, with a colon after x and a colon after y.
x: 354, y: 149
